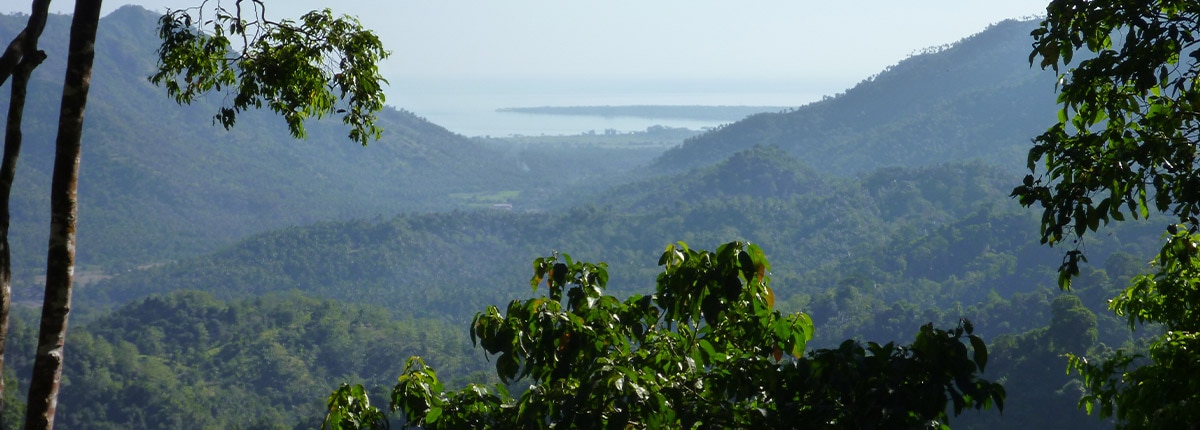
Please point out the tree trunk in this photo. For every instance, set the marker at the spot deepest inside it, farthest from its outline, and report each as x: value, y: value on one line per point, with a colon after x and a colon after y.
x: 25, y: 42
x: 23, y: 52
x: 8, y: 169
x: 60, y: 258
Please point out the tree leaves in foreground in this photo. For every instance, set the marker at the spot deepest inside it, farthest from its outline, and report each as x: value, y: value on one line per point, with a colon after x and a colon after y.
x: 1126, y: 144
x: 320, y: 65
x: 706, y: 350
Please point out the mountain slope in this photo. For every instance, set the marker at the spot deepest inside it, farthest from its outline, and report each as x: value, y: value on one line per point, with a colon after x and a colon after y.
x: 185, y: 360
x: 453, y: 264
x: 978, y: 99
x: 160, y: 180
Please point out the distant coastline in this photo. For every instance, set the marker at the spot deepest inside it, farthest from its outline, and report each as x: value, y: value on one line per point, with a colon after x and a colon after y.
x: 468, y: 106
x: 692, y: 112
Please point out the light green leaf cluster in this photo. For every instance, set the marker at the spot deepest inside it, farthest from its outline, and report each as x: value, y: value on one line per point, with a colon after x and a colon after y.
x: 317, y: 66
x: 350, y: 409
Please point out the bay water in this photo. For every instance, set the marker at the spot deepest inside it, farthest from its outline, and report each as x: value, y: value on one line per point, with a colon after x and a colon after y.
x: 468, y: 106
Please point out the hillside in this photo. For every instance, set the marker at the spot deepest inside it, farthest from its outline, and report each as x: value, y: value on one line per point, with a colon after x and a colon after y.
x: 185, y: 360
x: 451, y: 264
x: 160, y: 181
x: 871, y: 258
x: 977, y: 99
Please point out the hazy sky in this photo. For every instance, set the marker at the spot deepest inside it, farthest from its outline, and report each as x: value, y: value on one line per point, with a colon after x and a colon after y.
x: 659, y: 39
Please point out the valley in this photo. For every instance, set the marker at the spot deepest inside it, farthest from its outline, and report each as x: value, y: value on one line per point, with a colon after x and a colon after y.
x: 233, y: 278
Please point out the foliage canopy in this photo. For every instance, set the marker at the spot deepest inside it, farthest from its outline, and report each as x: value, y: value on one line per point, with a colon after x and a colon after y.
x: 1125, y: 144
x: 317, y: 66
x: 707, y: 350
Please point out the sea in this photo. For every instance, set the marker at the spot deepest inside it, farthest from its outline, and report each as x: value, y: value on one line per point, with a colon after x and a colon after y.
x: 469, y: 106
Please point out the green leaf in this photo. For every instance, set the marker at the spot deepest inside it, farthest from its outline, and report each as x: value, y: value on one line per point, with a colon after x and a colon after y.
x: 708, y: 353
x: 507, y: 367
x: 433, y: 415
x: 981, y: 353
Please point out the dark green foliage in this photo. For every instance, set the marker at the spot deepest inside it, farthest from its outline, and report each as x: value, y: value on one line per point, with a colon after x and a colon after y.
x: 1041, y: 394
x: 706, y: 350
x: 1072, y: 326
x: 890, y: 386
x: 1155, y: 388
x: 1124, y: 146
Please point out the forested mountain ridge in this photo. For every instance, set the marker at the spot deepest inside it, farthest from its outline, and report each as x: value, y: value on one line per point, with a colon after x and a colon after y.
x: 452, y: 264
x: 872, y: 258
x: 977, y: 99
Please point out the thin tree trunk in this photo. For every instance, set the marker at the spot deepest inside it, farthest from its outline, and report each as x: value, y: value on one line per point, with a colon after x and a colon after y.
x: 23, y: 50
x: 26, y: 41
x: 8, y: 169
x: 60, y: 258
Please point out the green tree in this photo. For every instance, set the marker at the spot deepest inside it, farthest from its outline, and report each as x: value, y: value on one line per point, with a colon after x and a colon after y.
x: 1125, y: 144
x: 1072, y: 326
x: 706, y: 350
x: 349, y: 408
x: 320, y: 65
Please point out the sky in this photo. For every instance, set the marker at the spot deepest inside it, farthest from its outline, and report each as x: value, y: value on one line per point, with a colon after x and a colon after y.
x: 816, y: 41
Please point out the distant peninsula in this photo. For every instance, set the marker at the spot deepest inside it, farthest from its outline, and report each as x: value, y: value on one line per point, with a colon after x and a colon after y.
x: 695, y: 112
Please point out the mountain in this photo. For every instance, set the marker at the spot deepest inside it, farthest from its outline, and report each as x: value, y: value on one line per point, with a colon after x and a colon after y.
x: 758, y: 172
x: 161, y: 181
x: 451, y: 265
x: 977, y: 99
